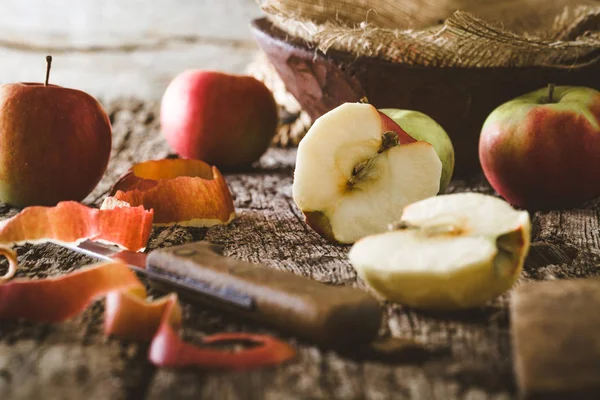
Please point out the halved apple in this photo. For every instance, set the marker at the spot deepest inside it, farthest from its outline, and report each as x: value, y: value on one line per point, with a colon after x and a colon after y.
x: 355, y: 171
x: 447, y: 252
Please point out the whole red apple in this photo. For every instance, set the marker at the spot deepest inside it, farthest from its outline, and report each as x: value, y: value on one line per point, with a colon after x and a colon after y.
x: 55, y: 143
x: 224, y: 120
x: 542, y: 150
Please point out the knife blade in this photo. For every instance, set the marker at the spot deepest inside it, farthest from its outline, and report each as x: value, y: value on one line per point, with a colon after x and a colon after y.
x: 331, y: 316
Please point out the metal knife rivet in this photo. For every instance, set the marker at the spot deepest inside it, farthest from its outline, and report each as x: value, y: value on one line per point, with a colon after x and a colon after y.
x: 185, y: 252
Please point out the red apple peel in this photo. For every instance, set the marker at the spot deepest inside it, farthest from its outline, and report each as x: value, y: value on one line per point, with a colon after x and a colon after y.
x: 169, y: 351
x: 72, y: 222
x: 186, y: 192
x: 11, y: 256
x: 128, y: 315
x: 58, y: 299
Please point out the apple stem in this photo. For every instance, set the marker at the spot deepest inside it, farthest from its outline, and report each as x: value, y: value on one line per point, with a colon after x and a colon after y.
x: 364, y: 100
x: 550, y: 92
x: 389, y: 139
x: 48, y: 66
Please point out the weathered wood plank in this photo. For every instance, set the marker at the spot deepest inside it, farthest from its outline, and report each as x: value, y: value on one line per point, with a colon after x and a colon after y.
x: 470, y: 350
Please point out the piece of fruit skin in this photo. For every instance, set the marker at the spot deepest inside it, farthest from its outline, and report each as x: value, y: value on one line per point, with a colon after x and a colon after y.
x: 422, y: 127
x: 450, y: 252
x: 180, y: 191
x: 70, y: 222
x: 354, y: 174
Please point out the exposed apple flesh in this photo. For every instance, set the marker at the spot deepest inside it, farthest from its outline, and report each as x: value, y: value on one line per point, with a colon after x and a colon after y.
x: 422, y: 127
x: 355, y: 171
x: 446, y: 252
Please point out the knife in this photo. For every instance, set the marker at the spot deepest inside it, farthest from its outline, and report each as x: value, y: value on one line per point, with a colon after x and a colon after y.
x: 330, y: 316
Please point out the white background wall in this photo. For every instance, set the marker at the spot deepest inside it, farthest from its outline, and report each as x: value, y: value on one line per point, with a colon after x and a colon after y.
x: 112, y: 48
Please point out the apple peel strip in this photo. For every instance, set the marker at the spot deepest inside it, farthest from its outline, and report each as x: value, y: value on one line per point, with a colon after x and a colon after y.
x: 11, y: 256
x: 129, y: 315
x: 72, y: 222
x: 180, y: 191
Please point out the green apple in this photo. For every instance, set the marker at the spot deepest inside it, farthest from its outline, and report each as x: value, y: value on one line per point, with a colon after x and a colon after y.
x: 422, y: 127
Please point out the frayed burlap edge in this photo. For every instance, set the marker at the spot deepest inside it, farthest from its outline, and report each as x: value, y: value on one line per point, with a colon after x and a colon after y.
x: 461, y: 41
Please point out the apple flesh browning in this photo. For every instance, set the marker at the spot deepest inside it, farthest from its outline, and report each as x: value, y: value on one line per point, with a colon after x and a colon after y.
x: 541, y: 155
x: 448, y: 252
x: 355, y: 172
x: 55, y: 144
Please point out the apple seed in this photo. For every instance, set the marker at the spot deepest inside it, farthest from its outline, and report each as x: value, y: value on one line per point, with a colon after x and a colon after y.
x: 550, y: 92
x: 48, y: 66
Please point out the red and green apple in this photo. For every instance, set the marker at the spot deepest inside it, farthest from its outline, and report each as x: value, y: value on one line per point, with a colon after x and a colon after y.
x: 55, y: 143
x: 542, y: 150
x: 222, y: 119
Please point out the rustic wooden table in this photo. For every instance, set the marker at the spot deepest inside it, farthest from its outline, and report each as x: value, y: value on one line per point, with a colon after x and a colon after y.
x: 470, y: 352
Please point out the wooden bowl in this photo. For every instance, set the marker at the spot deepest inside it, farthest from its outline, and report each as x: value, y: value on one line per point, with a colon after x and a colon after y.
x: 459, y: 99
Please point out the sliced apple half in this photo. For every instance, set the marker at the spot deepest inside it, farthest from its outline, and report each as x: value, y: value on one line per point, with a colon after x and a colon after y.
x: 355, y: 171
x: 447, y: 252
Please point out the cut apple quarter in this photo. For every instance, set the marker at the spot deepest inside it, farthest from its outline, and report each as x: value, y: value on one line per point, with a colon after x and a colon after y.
x: 447, y: 252
x: 355, y: 171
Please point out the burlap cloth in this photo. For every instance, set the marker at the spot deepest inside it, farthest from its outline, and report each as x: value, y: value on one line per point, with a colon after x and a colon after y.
x: 440, y: 33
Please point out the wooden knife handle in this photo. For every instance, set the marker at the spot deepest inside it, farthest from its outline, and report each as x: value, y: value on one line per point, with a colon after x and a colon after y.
x: 332, y: 316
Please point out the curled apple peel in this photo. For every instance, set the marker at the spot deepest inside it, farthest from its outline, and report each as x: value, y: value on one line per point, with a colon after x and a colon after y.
x: 11, y: 256
x: 60, y: 298
x: 72, y: 222
x: 129, y: 315
x: 180, y: 191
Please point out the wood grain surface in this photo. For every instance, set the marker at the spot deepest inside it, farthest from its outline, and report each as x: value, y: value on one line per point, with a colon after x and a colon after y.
x: 469, y: 352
